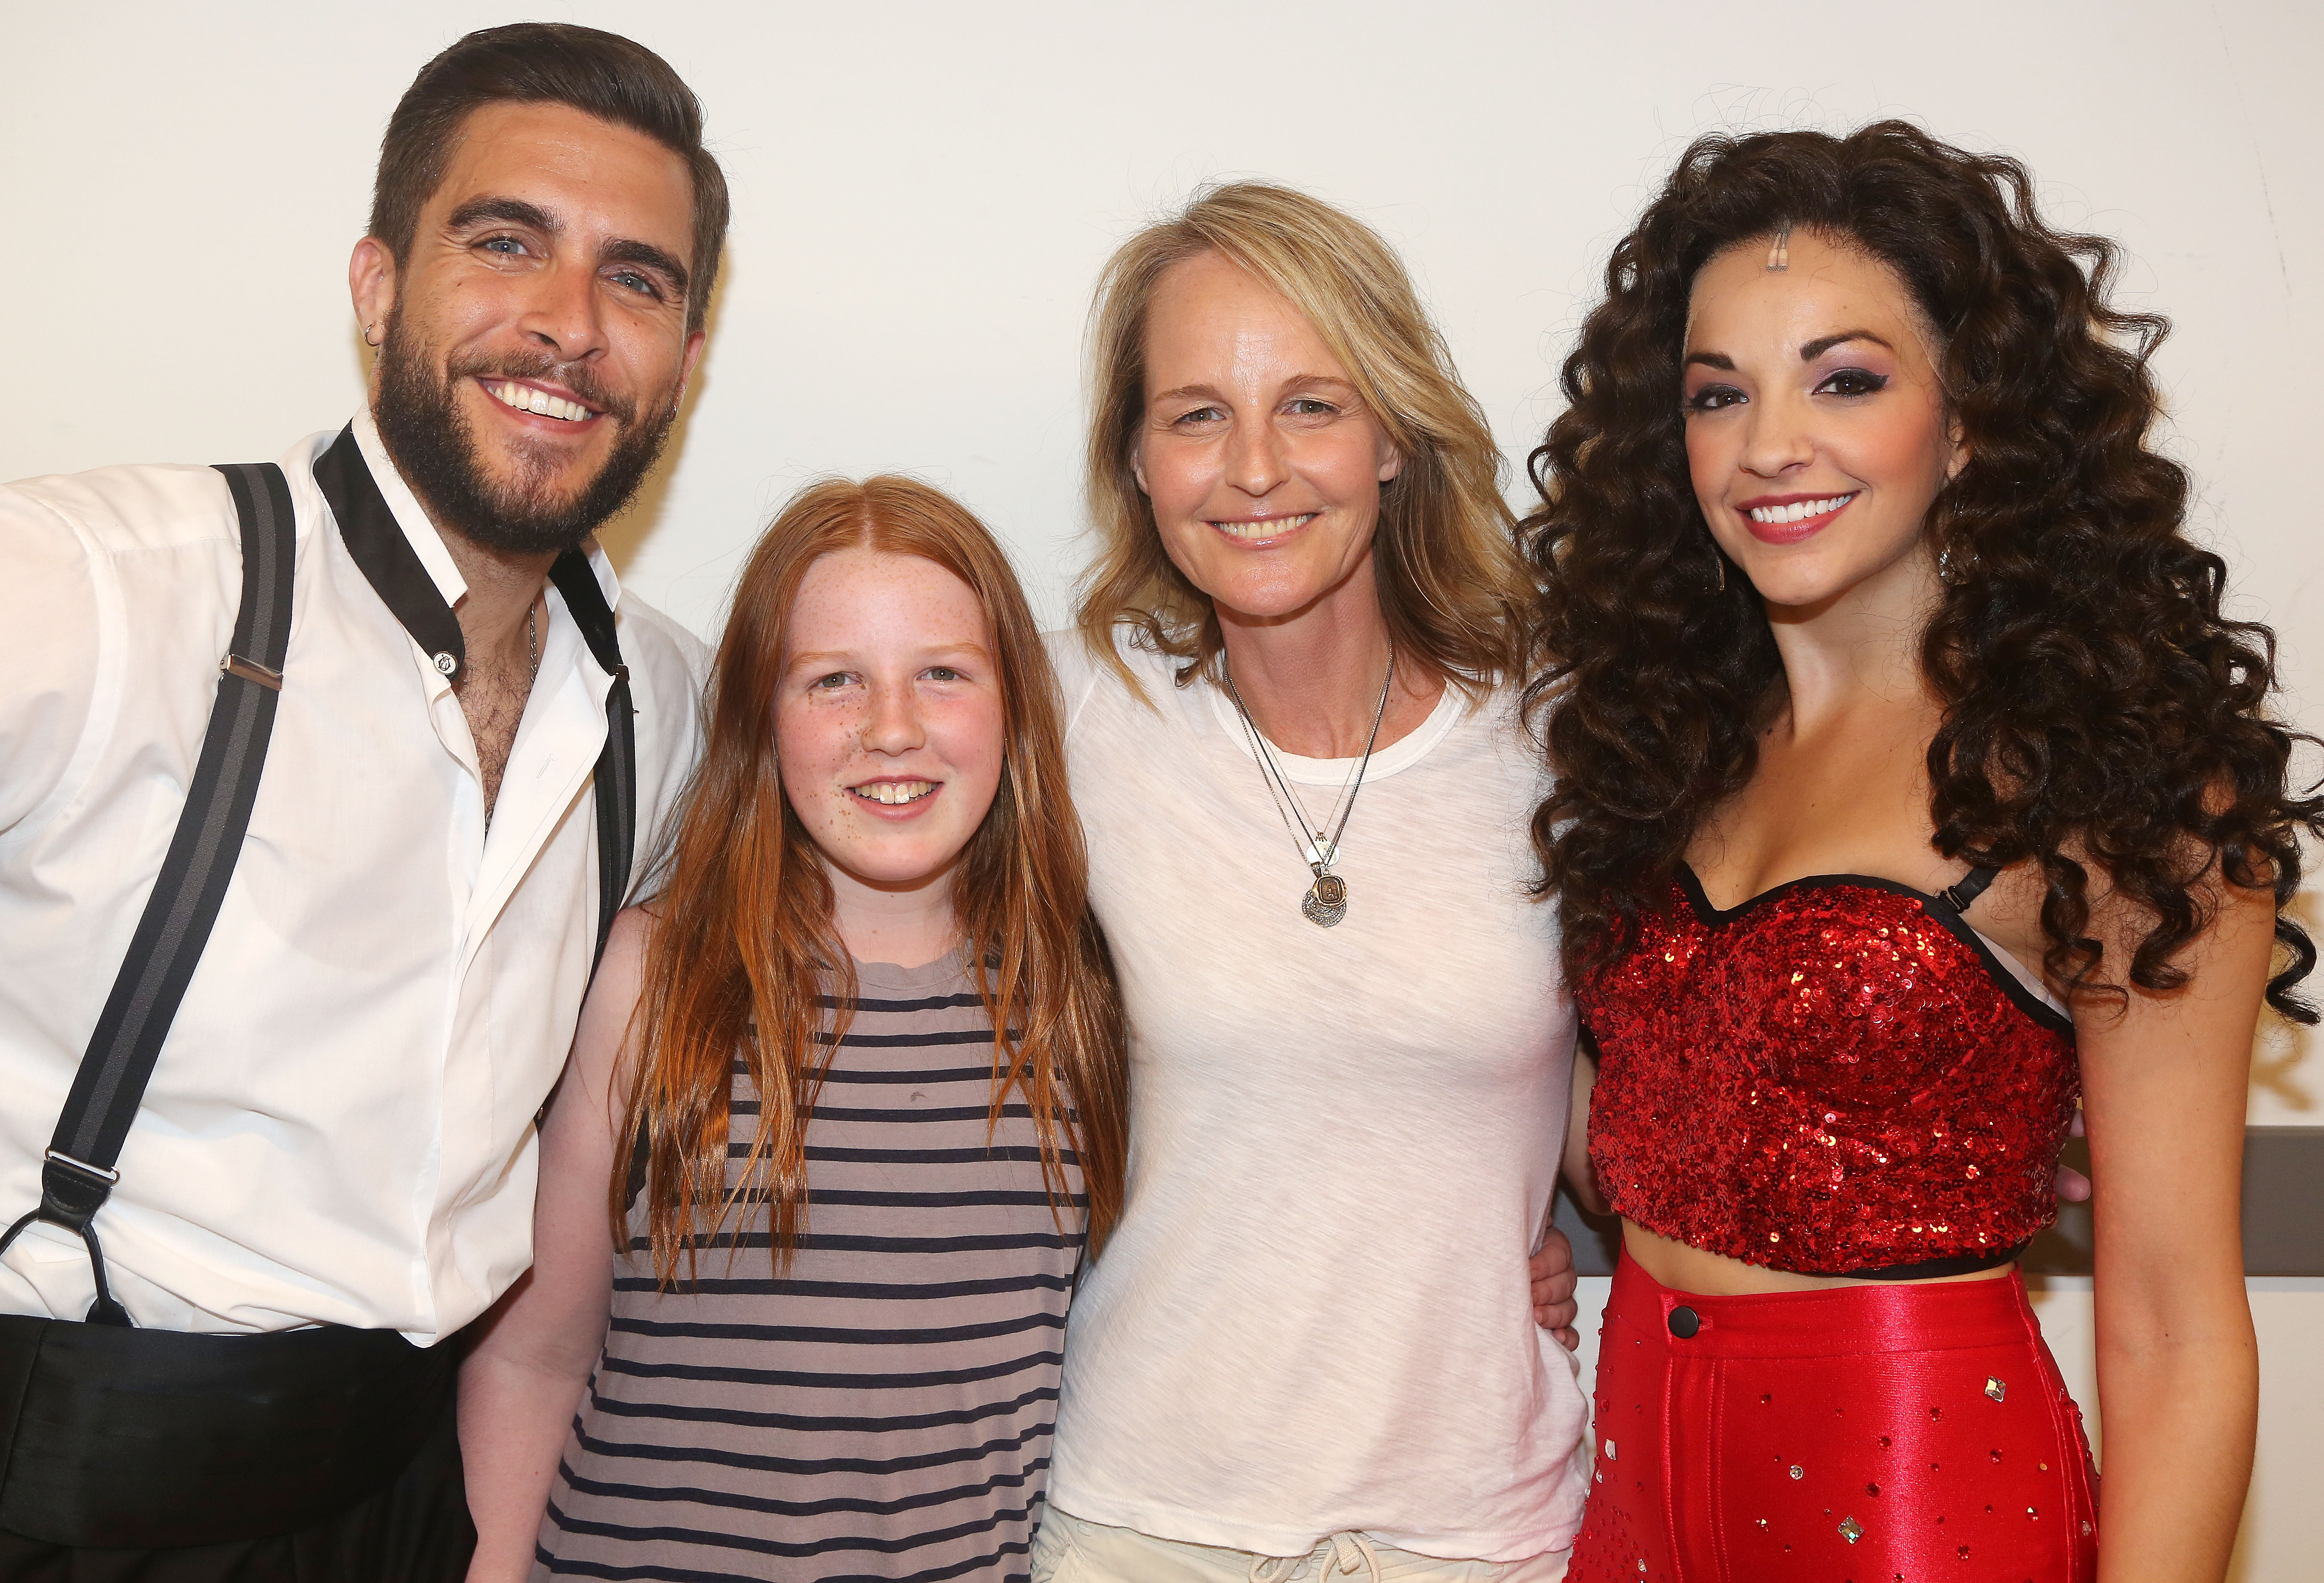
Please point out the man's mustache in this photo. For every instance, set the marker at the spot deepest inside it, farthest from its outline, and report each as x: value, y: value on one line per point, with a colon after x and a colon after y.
x: 573, y: 377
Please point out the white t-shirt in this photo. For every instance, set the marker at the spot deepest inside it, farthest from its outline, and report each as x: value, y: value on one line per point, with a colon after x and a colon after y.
x: 1313, y: 1315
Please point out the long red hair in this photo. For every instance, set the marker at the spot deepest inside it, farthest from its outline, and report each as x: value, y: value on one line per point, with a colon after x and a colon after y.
x: 743, y: 958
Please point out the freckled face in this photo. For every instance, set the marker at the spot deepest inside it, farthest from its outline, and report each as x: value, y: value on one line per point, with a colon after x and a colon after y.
x: 1263, y: 466
x: 889, y: 722
x: 1816, y: 431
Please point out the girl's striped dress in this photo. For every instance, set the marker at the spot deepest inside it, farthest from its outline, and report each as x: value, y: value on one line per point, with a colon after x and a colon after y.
x: 882, y: 1411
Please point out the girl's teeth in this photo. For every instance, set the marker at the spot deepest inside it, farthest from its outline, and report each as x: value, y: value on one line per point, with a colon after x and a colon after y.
x: 1799, y: 510
x: 892, y: 792
x: 1266, y: 528
x: 525, y: 398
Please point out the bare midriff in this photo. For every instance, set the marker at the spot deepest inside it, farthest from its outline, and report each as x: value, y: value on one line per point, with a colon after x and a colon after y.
x: 1686, y: 1268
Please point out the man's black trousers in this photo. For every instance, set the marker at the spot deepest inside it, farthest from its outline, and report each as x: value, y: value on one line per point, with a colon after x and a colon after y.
x: 311, y: 1457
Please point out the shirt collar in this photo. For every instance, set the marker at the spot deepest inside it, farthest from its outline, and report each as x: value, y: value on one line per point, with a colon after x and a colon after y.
x: 391, y: 571
x: 425, y: 543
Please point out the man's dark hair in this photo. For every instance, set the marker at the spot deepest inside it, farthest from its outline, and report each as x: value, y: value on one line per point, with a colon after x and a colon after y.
x: 597, y: 73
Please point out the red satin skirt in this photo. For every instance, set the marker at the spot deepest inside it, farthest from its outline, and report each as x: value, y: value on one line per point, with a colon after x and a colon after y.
x: 1866, y: 1434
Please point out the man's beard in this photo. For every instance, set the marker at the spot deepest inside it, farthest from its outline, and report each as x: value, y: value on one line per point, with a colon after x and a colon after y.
x: 434, y: 447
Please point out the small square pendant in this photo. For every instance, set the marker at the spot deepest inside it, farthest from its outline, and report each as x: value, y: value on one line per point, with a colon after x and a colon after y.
x: 1326, y: 901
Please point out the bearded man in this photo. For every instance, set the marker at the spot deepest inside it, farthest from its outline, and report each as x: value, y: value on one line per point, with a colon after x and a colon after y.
x: 317, y: 787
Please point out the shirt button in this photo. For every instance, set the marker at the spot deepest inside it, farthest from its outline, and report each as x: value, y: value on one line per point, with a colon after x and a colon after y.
x: 1684, y: 1322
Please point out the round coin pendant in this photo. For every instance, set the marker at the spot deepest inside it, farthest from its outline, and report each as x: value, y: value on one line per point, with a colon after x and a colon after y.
x: 1326, y: 901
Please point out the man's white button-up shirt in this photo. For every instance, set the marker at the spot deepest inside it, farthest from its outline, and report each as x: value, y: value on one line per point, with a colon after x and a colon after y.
x: 340, y: 1126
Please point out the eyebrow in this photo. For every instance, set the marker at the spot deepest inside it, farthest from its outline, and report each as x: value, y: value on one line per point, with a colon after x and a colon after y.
x: 820, y: 657
x: 1822, y: 343
x: 624, y: 251
x: 516, y: 211
x: 1808, y: 353
x: 1210, y: 392
x: 511, y: 211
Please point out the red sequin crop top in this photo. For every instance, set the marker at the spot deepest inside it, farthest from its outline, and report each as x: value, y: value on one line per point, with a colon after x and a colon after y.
x: 1837, y: 1076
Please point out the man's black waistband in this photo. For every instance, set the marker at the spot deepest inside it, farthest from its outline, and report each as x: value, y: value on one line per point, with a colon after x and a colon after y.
x: 147, y: 1438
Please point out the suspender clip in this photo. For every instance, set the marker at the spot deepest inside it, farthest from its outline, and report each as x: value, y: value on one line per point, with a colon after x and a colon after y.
x: 251, y: 671
x: 111, y: 1178
x: 73, y: 1191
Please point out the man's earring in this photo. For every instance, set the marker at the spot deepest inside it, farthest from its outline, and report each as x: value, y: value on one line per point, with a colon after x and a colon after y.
x: 371, y: 335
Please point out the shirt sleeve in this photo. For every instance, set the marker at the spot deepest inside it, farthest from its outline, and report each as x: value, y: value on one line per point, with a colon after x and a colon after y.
x: 48, y: 609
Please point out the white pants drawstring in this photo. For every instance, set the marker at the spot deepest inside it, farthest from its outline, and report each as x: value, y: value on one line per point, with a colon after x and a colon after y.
x: 1350, y: 1550
x: 1069, y: 1550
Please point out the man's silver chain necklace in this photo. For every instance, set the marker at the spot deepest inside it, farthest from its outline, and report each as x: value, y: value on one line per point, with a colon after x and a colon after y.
x: 1326, y: 901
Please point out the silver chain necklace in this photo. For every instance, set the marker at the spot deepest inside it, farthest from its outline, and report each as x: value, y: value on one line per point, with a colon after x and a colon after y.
x: 1326, y: 901
x: 532, y: 643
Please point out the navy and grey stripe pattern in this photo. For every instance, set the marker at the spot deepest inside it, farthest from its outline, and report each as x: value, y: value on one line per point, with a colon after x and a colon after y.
x: 885, y: 1410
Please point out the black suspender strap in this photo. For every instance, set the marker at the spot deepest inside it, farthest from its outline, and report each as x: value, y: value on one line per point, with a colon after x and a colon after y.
x: 615, y: 778
x: 1958, y: 894
x: 78, y: 1175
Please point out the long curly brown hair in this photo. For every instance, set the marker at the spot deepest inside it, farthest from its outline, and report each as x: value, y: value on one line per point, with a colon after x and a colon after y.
x: 2099, y: 709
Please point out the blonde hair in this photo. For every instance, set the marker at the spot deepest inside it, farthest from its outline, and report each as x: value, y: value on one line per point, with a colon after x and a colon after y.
x: 1452, y: 586
x: 744, y: 958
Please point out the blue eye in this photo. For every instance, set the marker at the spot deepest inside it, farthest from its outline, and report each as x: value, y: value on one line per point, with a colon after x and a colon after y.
x: 508, y: 246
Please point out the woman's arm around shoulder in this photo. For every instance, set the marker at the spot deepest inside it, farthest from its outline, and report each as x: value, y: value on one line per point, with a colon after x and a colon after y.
x: 2165, y: 1080
x: 522, y: 1381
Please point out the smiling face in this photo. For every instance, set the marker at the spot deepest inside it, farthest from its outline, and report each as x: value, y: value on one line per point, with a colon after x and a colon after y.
x: 1261, y: 462
x: 1816, y: 430
x: 889, y: 720
x: 536, y: 345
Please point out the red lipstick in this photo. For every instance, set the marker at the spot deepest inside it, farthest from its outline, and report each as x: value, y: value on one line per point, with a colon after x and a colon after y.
x: 1791, y: 530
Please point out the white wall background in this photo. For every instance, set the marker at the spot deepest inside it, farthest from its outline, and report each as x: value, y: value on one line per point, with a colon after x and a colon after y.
x: 924, y: 192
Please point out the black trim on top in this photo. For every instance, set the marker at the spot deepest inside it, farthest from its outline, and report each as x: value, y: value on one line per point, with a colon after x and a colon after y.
x: 393, y: 568
x: 1690, y: 885
x: 375, y: 539
x: 615, y: 777
x: 1929, y: 1269
x: 2283, y: 1235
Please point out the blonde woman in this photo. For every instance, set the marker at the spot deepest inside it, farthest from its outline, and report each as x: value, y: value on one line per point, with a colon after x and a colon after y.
x: 1309, y: 1349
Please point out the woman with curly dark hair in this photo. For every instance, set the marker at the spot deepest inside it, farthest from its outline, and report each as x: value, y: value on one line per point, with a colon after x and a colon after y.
x: 1911, y: 786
